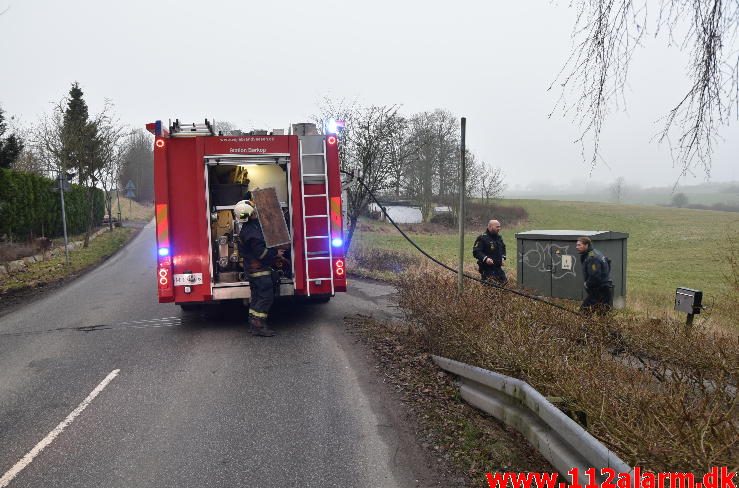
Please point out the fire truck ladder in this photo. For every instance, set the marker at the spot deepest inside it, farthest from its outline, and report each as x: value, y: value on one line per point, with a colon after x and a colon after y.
x: 316, y: 255
x: 179, y: 129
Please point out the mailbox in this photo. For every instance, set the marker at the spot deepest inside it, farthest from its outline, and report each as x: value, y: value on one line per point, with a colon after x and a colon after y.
x: 688, y: 300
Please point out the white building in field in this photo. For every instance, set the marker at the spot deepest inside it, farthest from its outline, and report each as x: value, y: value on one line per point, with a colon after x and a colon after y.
x: 401, y: 214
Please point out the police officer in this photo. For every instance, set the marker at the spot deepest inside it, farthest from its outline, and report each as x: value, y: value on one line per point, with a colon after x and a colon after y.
x: 257, y: 267
x: 596, y: 272
x: 489, y: 250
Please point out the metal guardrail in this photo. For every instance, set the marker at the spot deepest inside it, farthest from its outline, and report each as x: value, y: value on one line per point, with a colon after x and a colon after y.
x: 561, y: 440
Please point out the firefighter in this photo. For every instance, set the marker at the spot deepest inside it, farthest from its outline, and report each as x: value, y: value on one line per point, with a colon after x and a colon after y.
x: 489, y: 250
x: 257, y: 267
x: 596, y: 272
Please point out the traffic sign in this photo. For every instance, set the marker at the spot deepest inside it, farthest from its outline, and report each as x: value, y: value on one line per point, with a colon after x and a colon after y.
x: 130, y: 186
x: 63, y: 182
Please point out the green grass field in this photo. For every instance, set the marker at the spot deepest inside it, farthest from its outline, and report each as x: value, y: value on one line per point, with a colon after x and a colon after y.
x: 644, y: 198
x: 667, y: 247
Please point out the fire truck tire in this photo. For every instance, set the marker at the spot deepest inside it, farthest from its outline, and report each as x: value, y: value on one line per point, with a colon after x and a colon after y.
x: 190, y: 307
x: 320, y: 299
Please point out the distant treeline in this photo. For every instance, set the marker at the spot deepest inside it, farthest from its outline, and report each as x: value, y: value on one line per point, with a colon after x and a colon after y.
x: 478, y: 214
x: 722, y: 207
x: 29, y: 208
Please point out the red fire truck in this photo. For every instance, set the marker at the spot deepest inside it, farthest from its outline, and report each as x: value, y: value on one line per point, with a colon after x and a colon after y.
x: 199, y: 176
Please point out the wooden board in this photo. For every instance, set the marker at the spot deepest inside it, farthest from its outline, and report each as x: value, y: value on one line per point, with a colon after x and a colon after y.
x: 223, y: 224
x: 270, y: 217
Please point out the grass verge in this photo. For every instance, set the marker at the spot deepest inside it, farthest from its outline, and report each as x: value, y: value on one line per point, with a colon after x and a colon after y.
x: 463, y: 442
x: 53, y: 269
x: 133, y: 210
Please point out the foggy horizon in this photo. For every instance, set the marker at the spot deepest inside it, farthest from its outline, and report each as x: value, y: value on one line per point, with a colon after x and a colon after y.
x: 267, y: 65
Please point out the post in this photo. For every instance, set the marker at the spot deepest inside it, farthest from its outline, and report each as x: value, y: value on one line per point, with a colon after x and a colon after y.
x: 118, y: 197
x: 462, y: 186
x: 60, y: 181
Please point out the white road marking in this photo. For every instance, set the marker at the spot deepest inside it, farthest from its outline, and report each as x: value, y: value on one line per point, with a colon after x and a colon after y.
x: 152, y: 321
x: 28, y: 458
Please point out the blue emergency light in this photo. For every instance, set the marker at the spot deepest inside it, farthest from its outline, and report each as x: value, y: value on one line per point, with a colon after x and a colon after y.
x: 333, y: 126
x: 337, y: 242
x: 164, y: 251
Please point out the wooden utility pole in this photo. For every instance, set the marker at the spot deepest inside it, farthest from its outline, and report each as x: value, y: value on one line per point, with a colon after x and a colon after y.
x: 462, y: 185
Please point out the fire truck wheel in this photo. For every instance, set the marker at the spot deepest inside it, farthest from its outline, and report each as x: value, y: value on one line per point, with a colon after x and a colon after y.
x: 190, y: 307
x: 320, y: 299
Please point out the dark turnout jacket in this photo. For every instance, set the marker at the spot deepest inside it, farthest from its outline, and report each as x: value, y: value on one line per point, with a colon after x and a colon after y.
x: 491, y: 246
x: 252, y: 247
x: 596, y: 269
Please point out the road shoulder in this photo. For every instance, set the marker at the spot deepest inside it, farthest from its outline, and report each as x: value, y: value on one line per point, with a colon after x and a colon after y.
x: 17, y: 298
x: 446, y: 441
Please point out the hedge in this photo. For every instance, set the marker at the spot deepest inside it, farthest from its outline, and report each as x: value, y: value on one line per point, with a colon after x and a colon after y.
x: 29, y: 208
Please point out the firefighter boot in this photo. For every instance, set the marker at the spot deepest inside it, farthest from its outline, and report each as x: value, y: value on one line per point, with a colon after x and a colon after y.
x: 258, y: 327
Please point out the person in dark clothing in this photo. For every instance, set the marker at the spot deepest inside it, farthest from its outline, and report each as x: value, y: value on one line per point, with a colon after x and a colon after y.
x: 258, y: 259
x: 596, y: 271
x: 489, y: 250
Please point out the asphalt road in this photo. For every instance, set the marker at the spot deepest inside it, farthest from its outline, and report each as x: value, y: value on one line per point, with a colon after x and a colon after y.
x: 196, y: 402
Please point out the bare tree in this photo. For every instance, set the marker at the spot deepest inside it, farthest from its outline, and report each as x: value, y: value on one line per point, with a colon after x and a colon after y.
x: 400, y: 154
x: 366, y: 150
x: 617, y: 189
x: 433, y: 170
x: 606, y: 35
x: 138, y: 165
x: 46, y: 140
x: 474, y: 170
x: 490, y: 182
x: 474, y: 173
x: 29, y: 162
x: 423, y: 162
x: 113, y: 139
x: 225, y: 127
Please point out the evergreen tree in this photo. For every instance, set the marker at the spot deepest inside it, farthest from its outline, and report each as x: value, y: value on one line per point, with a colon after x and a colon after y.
x: 80, y: 147
x: 77, y: 135
x: 10, y: 147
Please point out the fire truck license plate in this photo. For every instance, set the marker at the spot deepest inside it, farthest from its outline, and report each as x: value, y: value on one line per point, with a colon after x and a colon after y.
x: 188, y: 279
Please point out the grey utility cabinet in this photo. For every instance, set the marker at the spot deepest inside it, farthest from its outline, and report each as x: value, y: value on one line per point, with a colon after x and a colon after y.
x: 549, y: 263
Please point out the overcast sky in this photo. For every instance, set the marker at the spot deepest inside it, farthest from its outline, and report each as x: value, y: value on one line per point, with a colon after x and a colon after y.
x: 266, y: 64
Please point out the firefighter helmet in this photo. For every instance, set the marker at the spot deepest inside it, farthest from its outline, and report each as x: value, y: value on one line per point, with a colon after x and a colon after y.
x: 243, y: 209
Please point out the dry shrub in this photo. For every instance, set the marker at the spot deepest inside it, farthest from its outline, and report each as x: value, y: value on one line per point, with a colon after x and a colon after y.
x: 481, y: 213
x: 661, y: 397
x: 427, y: 228
x: 13, y: 251
x: 477, y: 214
x: 373, y: 259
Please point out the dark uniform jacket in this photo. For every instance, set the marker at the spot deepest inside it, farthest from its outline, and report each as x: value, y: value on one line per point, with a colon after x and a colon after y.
x: 489, y: 246
x: 596, y: 269
x: 252, y: 247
